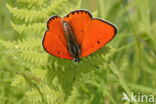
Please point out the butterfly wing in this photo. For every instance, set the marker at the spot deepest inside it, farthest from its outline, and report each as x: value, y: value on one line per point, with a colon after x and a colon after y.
x: 98, y: 34
x: 79, y: 20
x: 54, y: 41
x: 90, y: 33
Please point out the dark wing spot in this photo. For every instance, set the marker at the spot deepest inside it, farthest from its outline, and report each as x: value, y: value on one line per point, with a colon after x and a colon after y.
x: 92, y: 46
x: 58, y: 52
x: 98, y: 42
x: 82, y: 31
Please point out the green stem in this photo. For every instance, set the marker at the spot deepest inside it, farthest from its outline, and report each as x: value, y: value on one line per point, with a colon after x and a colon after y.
x: 121, y: 79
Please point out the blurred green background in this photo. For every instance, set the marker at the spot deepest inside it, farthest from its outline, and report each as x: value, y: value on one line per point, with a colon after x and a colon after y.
x: 25, y: 68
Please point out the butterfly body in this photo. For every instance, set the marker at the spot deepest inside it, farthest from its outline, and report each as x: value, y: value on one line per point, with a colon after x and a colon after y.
x: 76, y: 35
x: 72, y: 44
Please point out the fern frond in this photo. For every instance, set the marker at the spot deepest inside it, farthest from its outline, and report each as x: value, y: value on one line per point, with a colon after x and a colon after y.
x: 33, y: 57
x: 29, y: 44
x: 93, y: 87
x: 30, y: 50
x: 25, y: 44
x: 8, y: 44
x: 36, y: 15
x: 28, y: 15
x: 39, y: 72
x: 36, y: 75
x: 32, y: 2
x: 40, y: 92
x: 76, y: 7
x: 19, y: 81
x: 32, y: 29
x: 63, y: 69
x: 34, y: 96
x: 57, y: 7
x: 45, y: 95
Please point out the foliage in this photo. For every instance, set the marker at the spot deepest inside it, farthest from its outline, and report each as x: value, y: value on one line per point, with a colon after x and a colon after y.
x: 28, y: 75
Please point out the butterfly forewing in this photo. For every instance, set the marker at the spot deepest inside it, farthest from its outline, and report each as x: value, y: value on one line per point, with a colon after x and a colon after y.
x: 98, y: 34
x: 79, y: 21
x: 54, y: 41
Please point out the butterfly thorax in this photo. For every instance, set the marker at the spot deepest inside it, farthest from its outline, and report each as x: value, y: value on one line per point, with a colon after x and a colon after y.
x: 72, y: 44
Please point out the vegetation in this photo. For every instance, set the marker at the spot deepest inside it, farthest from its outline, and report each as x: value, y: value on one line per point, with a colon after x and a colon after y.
x: 28, y: 75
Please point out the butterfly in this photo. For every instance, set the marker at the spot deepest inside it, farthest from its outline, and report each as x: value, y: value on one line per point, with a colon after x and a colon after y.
x: 76, y: 35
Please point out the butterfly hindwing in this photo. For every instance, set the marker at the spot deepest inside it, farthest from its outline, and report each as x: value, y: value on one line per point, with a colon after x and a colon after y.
x: 54, y: 41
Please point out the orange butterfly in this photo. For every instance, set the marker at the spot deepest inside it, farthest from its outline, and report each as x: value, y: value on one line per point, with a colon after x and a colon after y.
x: 76, y: 35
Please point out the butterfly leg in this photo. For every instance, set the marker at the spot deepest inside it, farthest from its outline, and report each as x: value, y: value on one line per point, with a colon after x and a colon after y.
x: 76, y: 60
